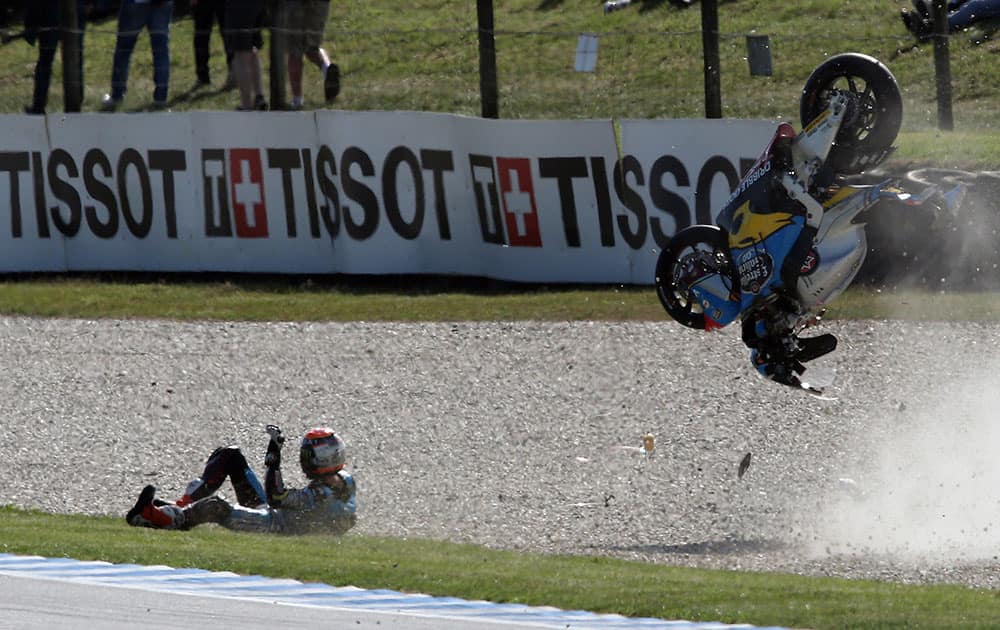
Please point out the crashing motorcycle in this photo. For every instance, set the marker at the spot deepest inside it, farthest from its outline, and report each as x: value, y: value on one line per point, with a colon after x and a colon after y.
x: 791, y: 237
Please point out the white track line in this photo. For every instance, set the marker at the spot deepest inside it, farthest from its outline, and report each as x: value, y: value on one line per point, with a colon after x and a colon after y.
x: 292, y: 592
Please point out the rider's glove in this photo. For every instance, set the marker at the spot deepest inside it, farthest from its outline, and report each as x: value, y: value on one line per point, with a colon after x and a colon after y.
x: 273, y: 457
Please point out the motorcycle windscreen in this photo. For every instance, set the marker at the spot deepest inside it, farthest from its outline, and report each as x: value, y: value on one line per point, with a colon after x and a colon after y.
x: 757, y: 185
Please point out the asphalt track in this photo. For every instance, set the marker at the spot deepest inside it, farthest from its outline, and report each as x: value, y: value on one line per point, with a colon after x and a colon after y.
x: 65, y: 593
x: 45, y: 604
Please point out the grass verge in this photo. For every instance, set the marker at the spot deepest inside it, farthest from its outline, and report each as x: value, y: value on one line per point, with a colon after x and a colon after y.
x: 445, y: 569
x: 417, y: 299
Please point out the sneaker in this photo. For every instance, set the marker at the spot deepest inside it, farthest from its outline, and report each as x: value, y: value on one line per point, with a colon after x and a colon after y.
x: 331, y: 82
x: 135, y: 515
x: 31, y: 109
x: 161, y: 106
x: 110, y: 104
x: 259, y: 103
x: 295, y: 107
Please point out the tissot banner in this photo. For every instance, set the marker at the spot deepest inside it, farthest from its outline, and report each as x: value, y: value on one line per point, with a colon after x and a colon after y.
x: 360, y: 192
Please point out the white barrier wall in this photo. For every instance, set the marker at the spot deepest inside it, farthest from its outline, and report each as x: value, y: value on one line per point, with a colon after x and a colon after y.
x: 360, y: 192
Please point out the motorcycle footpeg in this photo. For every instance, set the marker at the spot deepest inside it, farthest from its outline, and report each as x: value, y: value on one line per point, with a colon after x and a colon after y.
x: 815, y: 347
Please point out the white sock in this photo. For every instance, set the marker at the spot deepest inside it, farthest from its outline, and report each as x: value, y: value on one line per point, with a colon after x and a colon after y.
x: 297, y: 101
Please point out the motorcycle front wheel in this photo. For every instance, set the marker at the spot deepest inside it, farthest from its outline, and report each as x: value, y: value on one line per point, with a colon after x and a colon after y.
x: 874, y: 115
x: 692, y: 254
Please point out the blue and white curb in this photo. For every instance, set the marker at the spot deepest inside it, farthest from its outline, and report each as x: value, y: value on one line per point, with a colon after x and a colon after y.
x: 292, y: 592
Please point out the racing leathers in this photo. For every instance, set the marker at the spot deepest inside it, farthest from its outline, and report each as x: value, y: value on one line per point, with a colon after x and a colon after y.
x: 326, y: 505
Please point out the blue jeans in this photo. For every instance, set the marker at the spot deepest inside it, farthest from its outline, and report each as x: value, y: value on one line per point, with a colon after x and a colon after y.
x: 155, y: 17
x: 44, y: 25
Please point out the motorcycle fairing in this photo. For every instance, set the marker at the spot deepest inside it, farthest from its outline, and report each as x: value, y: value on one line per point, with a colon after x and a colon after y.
x: 756, y: 210
x: 759, y: 266
x: 763, y: 223
x: 719, y: 303
x: 842, y: 244
x: 758, y: 185
x: 760, y: 262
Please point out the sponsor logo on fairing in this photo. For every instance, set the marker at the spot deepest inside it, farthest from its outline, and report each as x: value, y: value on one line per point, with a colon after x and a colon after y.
x: 749, y: 180
x: 755, y: 268
x: 810, y: 263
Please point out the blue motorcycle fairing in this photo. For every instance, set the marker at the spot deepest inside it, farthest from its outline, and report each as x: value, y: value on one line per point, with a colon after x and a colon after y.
x: 715, y: 297
x: 758, y: 186
x: 768, y: 238
x: 763, y: 225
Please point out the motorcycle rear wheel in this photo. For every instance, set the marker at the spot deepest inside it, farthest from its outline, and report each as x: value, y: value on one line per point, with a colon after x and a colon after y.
x: 692, y: 253
x: 872, y: 124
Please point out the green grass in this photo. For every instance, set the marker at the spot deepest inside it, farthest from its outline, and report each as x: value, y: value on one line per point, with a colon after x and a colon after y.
x: 418, y: 300
x: 649, y: 66
x: 259, y: 300
x: 437, y: 568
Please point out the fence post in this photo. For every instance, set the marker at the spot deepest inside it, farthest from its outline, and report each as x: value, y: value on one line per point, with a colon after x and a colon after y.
x: 710, y: 45
x: 71, y: 56
x: 277, y: 72
x: 487, y: 60
x: 942, y: 65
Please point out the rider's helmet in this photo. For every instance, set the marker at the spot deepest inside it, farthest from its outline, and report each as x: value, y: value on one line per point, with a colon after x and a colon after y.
x: 322, y: 452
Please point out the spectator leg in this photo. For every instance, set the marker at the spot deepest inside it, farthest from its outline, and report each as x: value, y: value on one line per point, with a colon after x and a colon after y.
x: 220, y: 17
x: 295, y: 74
x: 319, y: 58
x: 131, y: 19
x: 204, y: 14
x: 48, y: 42
x: 243, y: 62
x: 258, y: 82
x: 159, y: 39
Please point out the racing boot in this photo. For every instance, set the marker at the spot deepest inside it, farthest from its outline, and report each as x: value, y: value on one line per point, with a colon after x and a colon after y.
x: 783, y: 371
x: 814, y: 347
x: 146, y: 514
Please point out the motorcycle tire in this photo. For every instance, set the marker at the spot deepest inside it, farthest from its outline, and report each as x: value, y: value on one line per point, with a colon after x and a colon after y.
x: 676, y: 299
x: 871, y: 126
